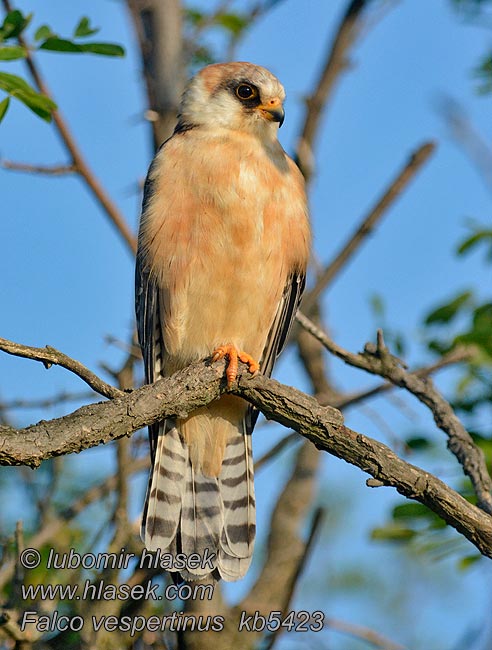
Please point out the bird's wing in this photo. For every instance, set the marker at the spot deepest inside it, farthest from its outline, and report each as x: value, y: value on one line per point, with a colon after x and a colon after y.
x: 279, y: 332
x: 149, y: 328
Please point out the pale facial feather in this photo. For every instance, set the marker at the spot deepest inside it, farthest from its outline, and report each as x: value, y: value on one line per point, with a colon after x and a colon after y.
x: 209, y: 100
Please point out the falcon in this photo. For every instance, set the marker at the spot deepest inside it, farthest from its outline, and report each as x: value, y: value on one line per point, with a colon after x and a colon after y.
x: 222, y: 252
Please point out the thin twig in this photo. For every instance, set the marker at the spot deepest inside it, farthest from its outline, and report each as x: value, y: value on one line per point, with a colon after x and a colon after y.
x: 48, y: 356
x: 276, y: 449
x: 469, y: 139
x: 336, y: 62
x: 46, y: 402
x: 49, y: 170
x: 376, y: 359
x: 53, y: 527
x: 458, y: 355
x: 362, y: 632
x: 122, y: 528
x: 72, y: 148
x: 417, y: 159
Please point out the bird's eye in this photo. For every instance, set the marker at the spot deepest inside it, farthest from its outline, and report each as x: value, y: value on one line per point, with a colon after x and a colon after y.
x: 245, y: 91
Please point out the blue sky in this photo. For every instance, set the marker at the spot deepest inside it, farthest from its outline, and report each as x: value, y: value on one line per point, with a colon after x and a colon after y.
x: 68, y: 279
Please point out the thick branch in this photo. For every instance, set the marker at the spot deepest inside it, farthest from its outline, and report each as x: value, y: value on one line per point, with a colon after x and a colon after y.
x: 199, y: 384
x: 158, y: 27
x: 377, y: 360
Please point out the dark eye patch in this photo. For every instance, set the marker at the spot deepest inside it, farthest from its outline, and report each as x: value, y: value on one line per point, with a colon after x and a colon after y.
x: 244, y: 91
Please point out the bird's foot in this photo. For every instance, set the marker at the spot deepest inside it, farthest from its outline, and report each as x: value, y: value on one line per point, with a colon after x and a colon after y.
x: 234, y: 355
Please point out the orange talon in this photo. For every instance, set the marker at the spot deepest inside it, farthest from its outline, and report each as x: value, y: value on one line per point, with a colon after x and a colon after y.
x: 234, y: 354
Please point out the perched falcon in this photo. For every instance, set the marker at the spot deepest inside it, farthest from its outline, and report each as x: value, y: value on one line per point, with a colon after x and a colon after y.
x: 222, y: 253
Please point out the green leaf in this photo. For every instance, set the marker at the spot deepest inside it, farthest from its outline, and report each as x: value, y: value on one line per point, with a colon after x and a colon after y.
x: 202, y: 56
x: 467, y: 561
x: 468, y: 244
x: 447, y: 312
x: 55, y: 44
x: 234, y: 23
x: 14, y: 24
x: 44, y: 32
x: 84, y: 28
x: 410, y: 511
x: 4, y: 104
x: 483, y: 72
x: 418, y: 443
x: 12, y: 83
x: 104, y: 49
x: 480, y: 333
x: 376, y: 302
x: 12, y: 52
x: 16, y: 87
x: 193, y: 16
x: 393, y: 533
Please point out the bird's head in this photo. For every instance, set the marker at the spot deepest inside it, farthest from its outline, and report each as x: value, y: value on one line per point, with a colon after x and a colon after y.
x: 239, y: 96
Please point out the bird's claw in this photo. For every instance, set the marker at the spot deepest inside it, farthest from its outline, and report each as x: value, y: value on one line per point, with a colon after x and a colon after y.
x: 234, y: 355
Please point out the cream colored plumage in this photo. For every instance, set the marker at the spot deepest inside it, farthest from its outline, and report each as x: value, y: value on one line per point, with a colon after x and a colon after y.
x: 223, y: 248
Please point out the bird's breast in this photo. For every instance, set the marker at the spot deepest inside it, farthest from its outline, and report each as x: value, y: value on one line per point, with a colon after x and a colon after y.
x: 223, y: 232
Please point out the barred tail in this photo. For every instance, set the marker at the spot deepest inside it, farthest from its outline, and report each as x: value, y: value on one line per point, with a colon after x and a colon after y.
x: 188, y: 512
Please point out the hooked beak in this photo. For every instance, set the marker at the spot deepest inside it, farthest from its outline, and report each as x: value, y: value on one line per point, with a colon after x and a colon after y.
x: 273, y: 111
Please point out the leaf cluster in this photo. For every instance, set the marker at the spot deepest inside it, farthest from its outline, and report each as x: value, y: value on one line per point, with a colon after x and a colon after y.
x: 14, y: 47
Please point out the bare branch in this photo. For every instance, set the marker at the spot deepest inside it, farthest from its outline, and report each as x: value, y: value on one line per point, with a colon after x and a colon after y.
x: 276, y: 449
x: 72, y: 148
x: 417, y: 159
x: 285, y: 548
x: 48, y: 356
x: 337, y: 62
x: 158, y: 27
x: 50, y: 170
x: 53, y: 527
x: 361, y: 632
x: 458, y: 355
x: 317, y: 520
x: 467, y: 137
x: 198, y: 385
x: 376, y: 359
x: 47, y: 402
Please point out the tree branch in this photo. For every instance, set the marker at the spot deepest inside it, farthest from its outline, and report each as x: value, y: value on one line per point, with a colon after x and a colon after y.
x: 361, y: 632
x: 299, y: 564
x: 198, y: 385
x: 49, y: 170
x: 53, y: 527
x: 78, y: 160
x: 158, y: 27
x: 336, y: 62
x: 285, y: 547
x: 417, y: 159
x: 458, y: 355
x: 48, y: 356
x: 377, y: 359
